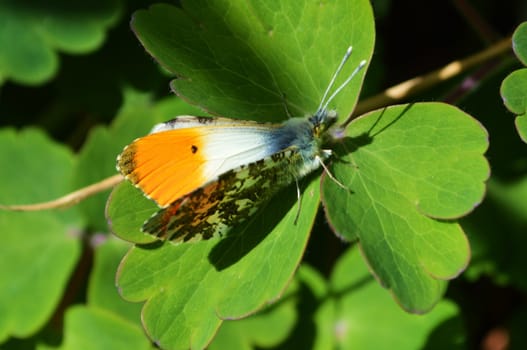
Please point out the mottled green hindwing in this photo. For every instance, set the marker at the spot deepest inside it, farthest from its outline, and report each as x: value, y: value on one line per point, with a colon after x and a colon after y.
x: 221, y: 204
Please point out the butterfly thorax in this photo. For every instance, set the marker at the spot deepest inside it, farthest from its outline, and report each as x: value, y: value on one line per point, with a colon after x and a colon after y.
x: 306, y: 136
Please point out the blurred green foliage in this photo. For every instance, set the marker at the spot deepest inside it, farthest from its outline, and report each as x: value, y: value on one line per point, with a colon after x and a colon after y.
x: 76, y: 86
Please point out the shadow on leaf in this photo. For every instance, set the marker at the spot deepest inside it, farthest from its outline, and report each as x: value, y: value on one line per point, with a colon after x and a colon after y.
x: 245, y: 237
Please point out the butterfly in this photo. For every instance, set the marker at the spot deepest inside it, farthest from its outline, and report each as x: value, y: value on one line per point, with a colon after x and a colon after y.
x: 209, y: 174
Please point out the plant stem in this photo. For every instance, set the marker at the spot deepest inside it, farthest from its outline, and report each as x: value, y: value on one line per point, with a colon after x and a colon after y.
x: 418, y: 84
x: 69, y: 199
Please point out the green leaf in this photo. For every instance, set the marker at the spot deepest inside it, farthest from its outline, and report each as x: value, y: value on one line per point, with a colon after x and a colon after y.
x: 410, y: 171
x: 190, y: 288
x: 255, y: 54
x: 136, y: 118
x: 521, y: 126
x: 98, y: 329
x: 102, y: 292
x: 497, y: 234
x: 34, y: 32
x: 265, y: 329
x: 514, y: 88
x: 519, y: 42
x: 314, y: 327
x: 365, y: 317
x: 106, y: 321
x: 352, y: 311
x: 39, y: 250
x: 127, y: 210
x: 514, y: 93
x: 245, y: 59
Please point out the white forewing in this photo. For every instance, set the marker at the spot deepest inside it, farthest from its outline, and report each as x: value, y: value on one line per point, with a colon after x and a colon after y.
x: 233, y: 147
x: 230, y: 143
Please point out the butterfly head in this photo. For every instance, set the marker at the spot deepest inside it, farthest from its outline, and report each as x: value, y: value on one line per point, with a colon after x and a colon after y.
x: 323, y: 120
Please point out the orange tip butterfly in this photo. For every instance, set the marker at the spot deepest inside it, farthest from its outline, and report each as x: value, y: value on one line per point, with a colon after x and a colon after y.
x: 209, y: 174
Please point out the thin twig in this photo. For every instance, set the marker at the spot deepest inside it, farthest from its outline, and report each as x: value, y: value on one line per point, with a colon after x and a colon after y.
x: 69, y: 199
x: 478, y: 23
x: 415, y: 85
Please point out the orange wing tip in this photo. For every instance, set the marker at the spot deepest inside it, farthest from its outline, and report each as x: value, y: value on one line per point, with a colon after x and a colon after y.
x: 165, y: 165
x: 126, y: 165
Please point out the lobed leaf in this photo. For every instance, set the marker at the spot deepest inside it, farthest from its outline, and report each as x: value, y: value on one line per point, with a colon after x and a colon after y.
x: 190, y: 288
x: 497, y: 234
x: 366, y: 317
x: 94, y: 328
x: 102, y: 293
x: 352, y: 311
x: 514, y: 88
x: 521, y: 126
x: 39, y: 250
x: 265, y: 329
x: 411, y: 170
x: 514, y: 93
x: 239, y: 60
x: 519, y: 42
x: 34, y: 32
x: 251, y: 59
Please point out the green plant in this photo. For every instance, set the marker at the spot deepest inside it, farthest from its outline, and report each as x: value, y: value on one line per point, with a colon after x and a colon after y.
x: 412, y: 170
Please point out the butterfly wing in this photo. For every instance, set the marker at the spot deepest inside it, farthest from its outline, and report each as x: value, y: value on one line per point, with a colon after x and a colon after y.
x: 185, y: 153
x: 221, y: 204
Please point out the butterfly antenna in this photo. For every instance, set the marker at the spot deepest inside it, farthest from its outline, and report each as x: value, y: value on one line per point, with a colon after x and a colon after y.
x: 332, y: 82
x: 343, y: 85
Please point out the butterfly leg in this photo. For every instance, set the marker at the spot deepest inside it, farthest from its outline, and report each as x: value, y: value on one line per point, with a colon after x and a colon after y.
x: 299, y: 199
x: 330, y: 174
